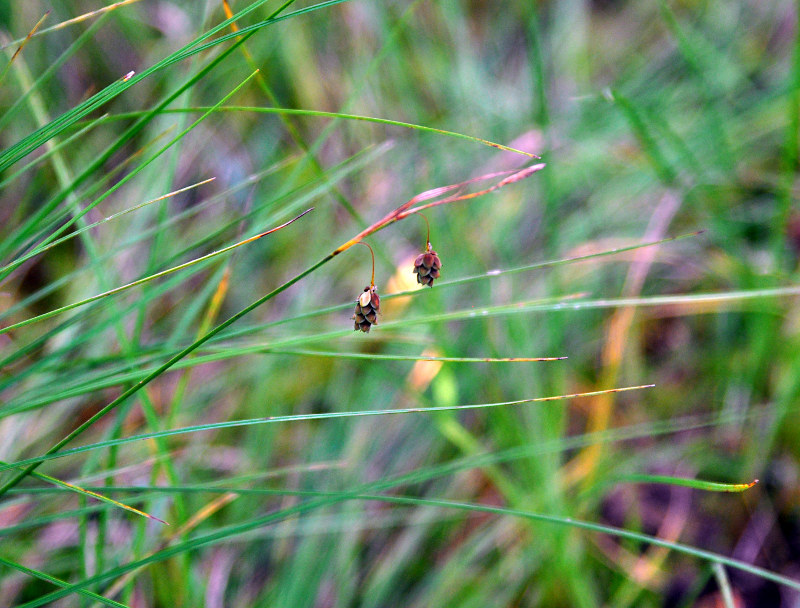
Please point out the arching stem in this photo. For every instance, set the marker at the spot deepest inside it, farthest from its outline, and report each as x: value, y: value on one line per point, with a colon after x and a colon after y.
x: 427, y: 238
x: 372, y: 280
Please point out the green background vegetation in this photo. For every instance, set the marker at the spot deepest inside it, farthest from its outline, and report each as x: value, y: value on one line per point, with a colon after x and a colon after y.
x: 655, y: 119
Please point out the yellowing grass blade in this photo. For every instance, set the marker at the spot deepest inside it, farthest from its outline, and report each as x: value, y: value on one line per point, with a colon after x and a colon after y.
x: 697, y: 484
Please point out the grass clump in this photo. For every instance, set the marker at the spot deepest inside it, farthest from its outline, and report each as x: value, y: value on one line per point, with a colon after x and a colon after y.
x: 575, y: 414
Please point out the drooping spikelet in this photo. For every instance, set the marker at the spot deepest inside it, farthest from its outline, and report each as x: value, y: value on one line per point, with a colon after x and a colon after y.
x: 427, y: 266
x: 368, y: 305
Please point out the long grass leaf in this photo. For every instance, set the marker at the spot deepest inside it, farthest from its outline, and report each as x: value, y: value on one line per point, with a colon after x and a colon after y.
x: 696, y: 484
x: 59, y: 583
x: 337, y: 115
x: 94, y: 494
x: 380, y: 357
x: 305, y: 417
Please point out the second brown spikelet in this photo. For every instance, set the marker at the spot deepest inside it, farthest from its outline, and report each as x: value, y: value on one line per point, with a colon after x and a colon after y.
x: 427, y: 266
x: 368, y: 305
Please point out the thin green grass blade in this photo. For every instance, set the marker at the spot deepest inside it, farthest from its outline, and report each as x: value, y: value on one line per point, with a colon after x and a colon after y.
x: 94, y: 494
x: 43, y: 520
x: 59, y: 583
x: 696, y: 484
x: 336, y: 115
x: 381, y: 357
x: 703, y: 62
x: 54, y: 150
x: 305, y: 417
x: 789, y: 157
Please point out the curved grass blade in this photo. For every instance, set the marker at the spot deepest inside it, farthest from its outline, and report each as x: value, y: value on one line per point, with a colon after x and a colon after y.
x: 697, y: 484
x: 93, y: 494
x: 337, y: 115
x: 59, y: 583
x: 50, y: 455
x: 374, y: 356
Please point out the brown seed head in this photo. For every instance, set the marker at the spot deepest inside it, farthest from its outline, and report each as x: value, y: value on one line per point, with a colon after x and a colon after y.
x: 368, y: 306
x: 427, y: 266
